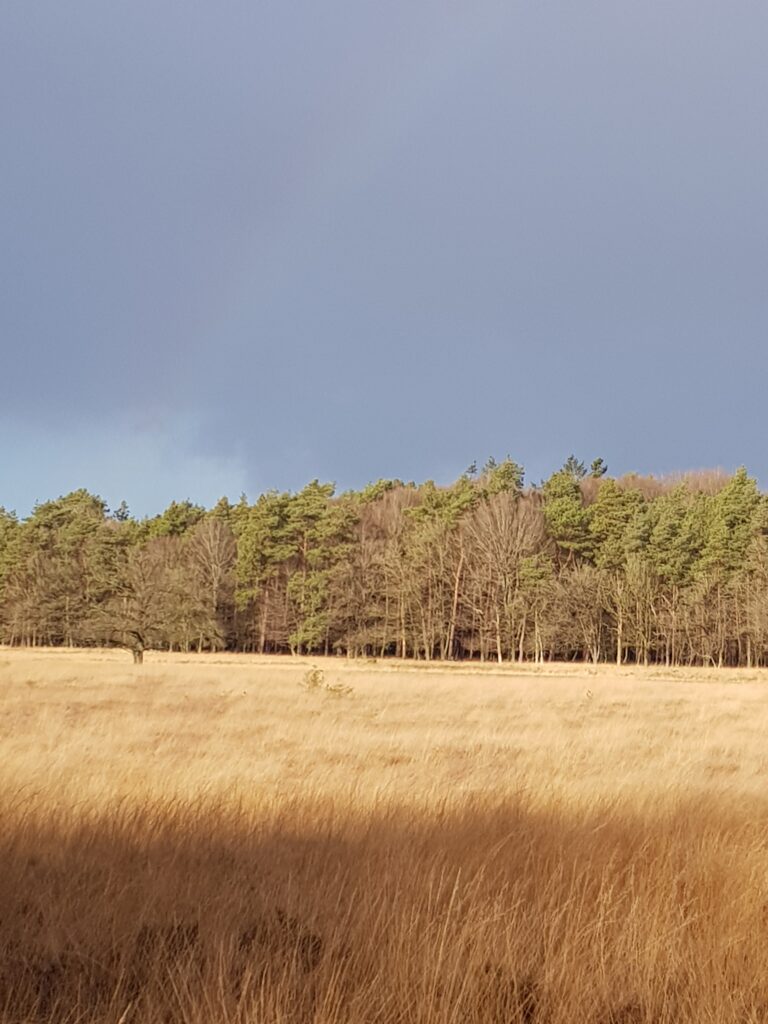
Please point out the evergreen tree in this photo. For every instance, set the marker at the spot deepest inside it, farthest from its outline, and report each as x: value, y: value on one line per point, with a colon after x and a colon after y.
x: 9, y: 531
x: 122, y: 513
x: 677, y: 533
x: 574, y: 469
x: 506, y: 476
x: 566, y: 517
x: 317, y: 531
x: 613, y: 518
x: 263, y: 548
x: 176, y: 520
x: 733, y: 520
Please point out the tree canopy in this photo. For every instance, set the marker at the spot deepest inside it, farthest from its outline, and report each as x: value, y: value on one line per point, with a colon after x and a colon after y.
x: 584, y: 566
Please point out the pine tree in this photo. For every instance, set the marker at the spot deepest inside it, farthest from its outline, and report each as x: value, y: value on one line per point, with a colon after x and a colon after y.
x: 176, y: 520
x: 677, y: 532
x: 503, y: 477
x: 263, y: 549
x: 122, y: 513
x: 732, y: 522
x: 318, y: 531
x: 574, y: 468
x: 613, y: 516
x: 566, y: 517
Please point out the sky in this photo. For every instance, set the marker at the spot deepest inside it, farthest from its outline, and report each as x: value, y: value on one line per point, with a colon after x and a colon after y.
x: 251, y: 243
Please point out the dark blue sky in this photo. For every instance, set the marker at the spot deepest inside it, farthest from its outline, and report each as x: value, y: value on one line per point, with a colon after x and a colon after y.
x: 249, y: 243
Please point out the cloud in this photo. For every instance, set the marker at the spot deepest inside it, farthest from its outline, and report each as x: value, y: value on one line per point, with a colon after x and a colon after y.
x: 274, y: 241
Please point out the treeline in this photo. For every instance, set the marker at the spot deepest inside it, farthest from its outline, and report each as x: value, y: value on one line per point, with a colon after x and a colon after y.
x: 583, y: 566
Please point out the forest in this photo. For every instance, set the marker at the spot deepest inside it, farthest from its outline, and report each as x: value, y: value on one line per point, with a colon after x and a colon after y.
x: 582, y: 566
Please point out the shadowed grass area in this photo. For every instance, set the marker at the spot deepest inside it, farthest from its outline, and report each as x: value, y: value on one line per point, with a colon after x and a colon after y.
x: 477, y: 913
x: 202, y: 843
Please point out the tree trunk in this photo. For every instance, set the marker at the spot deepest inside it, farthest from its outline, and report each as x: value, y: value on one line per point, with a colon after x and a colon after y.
x: 454, y: 607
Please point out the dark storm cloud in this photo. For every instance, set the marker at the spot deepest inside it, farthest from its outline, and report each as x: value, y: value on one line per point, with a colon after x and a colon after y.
x: 346, y: 239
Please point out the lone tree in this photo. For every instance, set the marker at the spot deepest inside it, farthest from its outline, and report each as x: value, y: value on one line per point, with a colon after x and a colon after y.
x: 135, y: 615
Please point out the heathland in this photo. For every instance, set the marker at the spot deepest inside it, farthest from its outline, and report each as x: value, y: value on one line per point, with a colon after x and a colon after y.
x: 229, y: 838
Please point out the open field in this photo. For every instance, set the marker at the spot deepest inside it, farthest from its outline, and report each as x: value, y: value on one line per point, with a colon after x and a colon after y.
x: 205, y: 839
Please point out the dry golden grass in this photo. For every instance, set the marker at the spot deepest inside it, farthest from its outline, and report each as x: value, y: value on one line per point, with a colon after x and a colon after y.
x: 205, y: 840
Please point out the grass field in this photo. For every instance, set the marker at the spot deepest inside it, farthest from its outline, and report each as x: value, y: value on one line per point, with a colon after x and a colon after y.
x: 206, y: 839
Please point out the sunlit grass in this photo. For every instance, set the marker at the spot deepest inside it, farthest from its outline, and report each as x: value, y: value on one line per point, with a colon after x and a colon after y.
x: 207, y: 840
